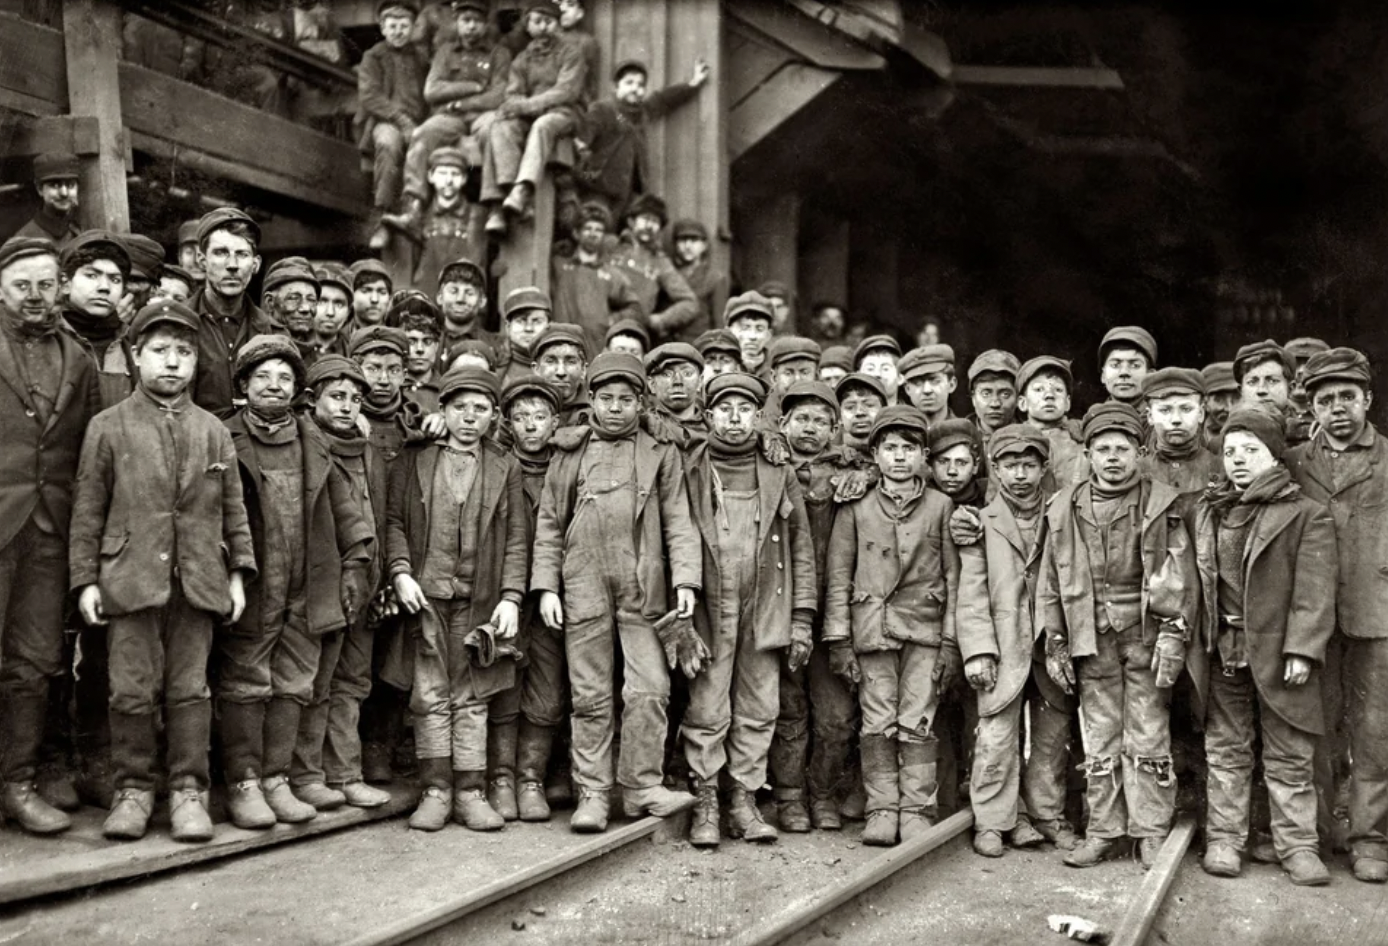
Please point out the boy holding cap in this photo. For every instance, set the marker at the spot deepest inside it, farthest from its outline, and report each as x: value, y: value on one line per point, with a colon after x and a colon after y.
x: 889, y: 621
x: 1176, y: 418
x: 456, y: 555
x: 752, y: 520
x: 927, y: 374
x: 590, y: 290
x: 1116, y: 600
x: 160, y: 551
x: 1126, y: 354
x: 614, y: 522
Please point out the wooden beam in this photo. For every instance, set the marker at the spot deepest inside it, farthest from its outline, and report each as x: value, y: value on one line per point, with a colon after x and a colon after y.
x: 1143, y: 909
x: 527, y: 248
x: 1039, y: 77
x: 80, y: 135
x: 781, y: 96
x: 768, y: 242
x: 808, y: 39
x: 91, y: 42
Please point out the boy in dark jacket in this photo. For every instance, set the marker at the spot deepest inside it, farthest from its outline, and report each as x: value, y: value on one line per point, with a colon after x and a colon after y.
x: 314, y: 549
x: 160, y: 550
x: 390, y: 88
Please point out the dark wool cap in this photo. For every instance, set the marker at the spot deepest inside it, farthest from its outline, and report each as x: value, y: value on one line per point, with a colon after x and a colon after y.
x: 735, y: 382
x: 875, y: 343
x: 165, y: 310
x: 1337, y: 364
x: 473, y: 346
x: 899, y: 415
x: 55, y: 167
x: 146, y: 255
x: 367, y: 269
x: 1170, y: 381
x: 405, y: 302
x: 858, y: 379
x: 809, y: 391
x: 375, y: 337
x: 749, y: 303
x: 525, y: 299
x: 261, y: 348
x: 224, y: 217
x: 290, y: 269
x: 1111, y: 415
x: 547, y: 7
x: 335, y: 368
x: 530, y: 385
x: 687, y: 228
x: 18, y: 248
x: 1263, y: 424
x: 1018, y: 438
x: 995, y: 361
x: 1303, y: 348
x: 477, y: 6
x: 792, y: 348
x: 468, y: 378
x: 616, y: 366
x: 188, y: 232
x: 928, y: 359
x: 953, y: 432
x: 629, y: 65
x: 629, y: 327
x: 463, y: 270
x: 1034, y: 366
x: 595, y: 213
x: 647, y: 204
x: 1219, y: 377
x: 105, y: 243
x: 447, y: 157
x: 673, y: 351
x: 560, y: 333
x: 178, y: 272
x: 837, y: 356
x: 334, y: 274
x: 774, y: 289
x: 409, y: 5
x: 1259, y: 351
x: 1130, y: 336
x: 720, y: 340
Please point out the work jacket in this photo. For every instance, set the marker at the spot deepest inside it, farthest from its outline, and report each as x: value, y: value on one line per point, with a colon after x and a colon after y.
x: 617, y: 164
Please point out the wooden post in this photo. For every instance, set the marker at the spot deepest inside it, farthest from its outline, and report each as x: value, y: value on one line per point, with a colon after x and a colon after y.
x: 92, y: 38
x: 768, y: 238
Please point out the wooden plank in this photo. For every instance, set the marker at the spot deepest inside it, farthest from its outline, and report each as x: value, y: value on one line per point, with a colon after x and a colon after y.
x: 1039, y: 77
x: 768, y: 241
x: 784, y: 94
x: 79, y: 135
x: 91, y: 41
x: 87, y: 859
x: 526, y: 250
x: 32, y: 62
x: 804, y: 36
x: 1142, y: 910
x: 27, y: 104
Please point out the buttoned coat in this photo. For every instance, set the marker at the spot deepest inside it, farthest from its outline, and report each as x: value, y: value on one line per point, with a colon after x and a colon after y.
x: 214, y: 388
x: 390, y: 85
x: 997, y: 589
x: 618, y: 162
x: 142, y: 517
x: 785, y: 576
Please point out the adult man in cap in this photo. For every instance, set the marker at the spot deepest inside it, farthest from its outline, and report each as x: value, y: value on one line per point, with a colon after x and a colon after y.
x: 188, y: 249
x: 451, y: 226
x: 590, y: 289
x: 289, y: 296
x: 390, y: 89
x: 146, y: 268
x: 668, y: 303
x: 675, y: 370
x: 1116, y: 600
x: 371, y: 290
x: 544, y: 102
x: 1345, y: 466
x: 1221, y: 394
x: 228, y: 254
x: 55, y: 179
x: 690, y: 247
x: 927, y: 374
x: 48, y: 396
x: 748, y: 317
x: 1043, y: 389
x: 877, y: 355
x: 993, y: 390
x: 95, y: 267
x: 1176, y: 418
x: 1126, y: 354
x: 721, y: 351
x: 561, y: 358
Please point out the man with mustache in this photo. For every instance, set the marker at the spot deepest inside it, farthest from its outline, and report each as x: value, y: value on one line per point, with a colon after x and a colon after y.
x: 55, y: 178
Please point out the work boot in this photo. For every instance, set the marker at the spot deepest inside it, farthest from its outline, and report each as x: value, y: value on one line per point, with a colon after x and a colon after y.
x: 129, y: 817
x: 533, y: 745
x: 1148, y: 850
x: 1024, y: 835
x: 501, y: 768
x: 432, y: 812
x: 882, y: 827
x: 824, y: 814
x: 246, y: 806
x: 1222, y: 859
x: 320, y: 796
x: 656, y: 800
x: 703, y: 824
x: 745, y: 820
x: 21, y: 803
x: 1093, y: 851
x: 470, y: 808
x: 361, y: 795
x: 791, y: 813
x: 916, y: 780
x: 96, y: 785
x: 54, y: 785
x: 375, y: 763
x: 242, y: 728
x: 280, y: 797
x: 854, y: 804
x: 1264, y: 852
x: 591, y: 815
x: 1058, y: 833
x: 1305, y: 869
x: 21, y: 730
x: 188, y: 815
x: 881, y: 775
x: 518, y: 201
x: 1371, y: 870
x: 988, y: 843
x: 410, y: 220
x: 496, y: 222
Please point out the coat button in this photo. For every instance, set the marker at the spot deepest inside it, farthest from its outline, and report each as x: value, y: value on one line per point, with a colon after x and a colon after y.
x: 775, y: 538
x: 28, y: 413
x: 163, y: 556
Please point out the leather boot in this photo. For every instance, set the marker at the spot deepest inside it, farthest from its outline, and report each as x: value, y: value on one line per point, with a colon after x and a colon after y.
x: 189, y: 732
x: 410, y: 220
x: 916, y: 779
x: 703, y: 826
x: 281, y: 732
x: 306, y: 768
x: 436, y: 802
x: 824, y: 814
x: 188, y: 816
x: 501, y: 769
x: 791, y: 813
x: 532, y: 758
x: 360, y: 795
x: 21, y: 730
x: 470, y: 808
x: 280, y: 797
x: 375, y: 763
x: 880, y: 785
x: 242, y: 728
x: 96, y: 786
x: 320, y: 796
x: 20, y: 803
x: 55, y: 786
x: 1092, y: 851
x: 745, y: 820
x: 129, y: 817
x: 591, y: 815
x: 657, y: 800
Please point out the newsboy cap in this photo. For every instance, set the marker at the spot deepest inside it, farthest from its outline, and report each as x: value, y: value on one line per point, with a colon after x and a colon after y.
x: 860, y: 380
x: 673, y: 351
x: 1130, y: 336
x: 747, y: 304
x: 628, y: 327
x: 802, y: 391
x: 718, y: 340
x: 287, y: 270
x: 687, y: 228
x: 899, y: 415
x: 837, y: 356
x: 559, y: 333
x: 1034, y: 366
x: 1337, y: 364
x: 376, y: 338
x: 1018, y: 438
x: 1259, y: 351
x: 469, y: 378
x: 927, y: 359
x: 1111, y: 415
x: 530, y: 385
x: 647, y: 204
x: 56, y: 166
x: 1168, y: 381
x: 1219, y: 377
x: 792, y: 348
x: 146, y: 255
x: 876, y: 343
x: 994, y: 361
x: 952, y: 432
x: 1261, y: 423
x: 1304, y: 347
x: 261, y: 348
x: 735, y: 382
x: 17, y: 248
x: 447, y: 157
x: 224, y: 217
x: 525, y: 299
x: 106, y: 244
x: 332, y: 367
x: 616, y: 366
x: 163, y: 311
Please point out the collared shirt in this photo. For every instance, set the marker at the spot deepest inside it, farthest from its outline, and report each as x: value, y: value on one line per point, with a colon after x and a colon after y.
x: 1348, y: 464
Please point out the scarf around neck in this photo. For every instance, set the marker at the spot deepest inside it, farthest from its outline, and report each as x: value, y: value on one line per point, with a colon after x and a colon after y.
x: 1024, y: 510
x: 20, y: 328
x: 272, y: 429
x: 1269, y: 487
x: 342, y: 445
x: 626, y: 431
x: 96, y: 329
x: 1102, y: 491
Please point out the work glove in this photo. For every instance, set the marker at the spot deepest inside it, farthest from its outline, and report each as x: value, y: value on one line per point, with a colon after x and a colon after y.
x: 801, y: 643
x: 1058, y: 664
x: 981, y: 672
x: 1169, y: 655
x: 775, y: 448
x: 948, y: 666
x: 844, y: 663
x: 850, y: 485
x: 683, y: 646
x: 965, y: 528
x: 354, y: 592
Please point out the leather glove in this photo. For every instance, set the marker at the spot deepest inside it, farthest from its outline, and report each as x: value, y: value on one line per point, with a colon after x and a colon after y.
x: 965, y: 528
x: 355, y: 595
x: 850, y: 485
x: 1168, y: 656
x: 844, y: 663
x: 981, y: 672
x: 684, y: 648
x: 1058, y: 664
x: 948, y: 666
x: 775, y: 448
x: 801, y: 643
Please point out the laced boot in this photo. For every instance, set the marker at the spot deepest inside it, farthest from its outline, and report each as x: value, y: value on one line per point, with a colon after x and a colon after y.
x: 916, y: 779
x: 21, y: 730
x: 590, y: 817
x: 242, y: 727
x: 824, y: 814
x: 436, y: 801
x: 129, y: 817
x: 703, y: 825
x: 188, y: 815
x: 881, y: 789
x: 501, y: 769
x: 657, y: 800
x: 745, y: 820
x: 791, y: 813
x: 470, y: 808
x: 532, y: 756
x: 1093, y: 851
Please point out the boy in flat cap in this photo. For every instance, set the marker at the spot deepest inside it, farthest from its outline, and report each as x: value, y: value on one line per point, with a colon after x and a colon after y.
x: 614, y: 523
x: 1116, y: 600
x: 748, y: 317
x: 878, y: 356
x: 1221, y: 394
x: 390, y: 89
x: 526, y: 313
x: 629, y: 336
x: 421, y: 322
x: 1267, y: 568
x: 449, y: 225
x: 861, y: 399
x: 146, y: 266
x: 835, y: 362
x: 792, y: 358
x: 675, y: 370
x: 393, y: 419
x: 334, y: 309
x: 314, y: 549
x: 759, y: 605
x: 668, y: 304
x: 993, y: 390
x: 999, y: 642
x: 95, y: 267
x: 889, y: 621
x: 561, y: 358
x: 175, y: 284
x: 160, y: 553
x: 1127, y: 354
x: 689, y: 249
x: 456, y: 551
x: 1266, y: 372
x: 721, y: 351
x: 1176, y: 418
x: 927, y: 380
x: 371, y: 291
x: 1043, y: 389
x: 590, y: 290
x: 1345, y: 466
x: 56, y: 180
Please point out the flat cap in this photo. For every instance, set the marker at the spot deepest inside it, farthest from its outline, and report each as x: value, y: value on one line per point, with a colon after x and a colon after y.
x: 334, y: 274
x: 525, y: 299
x: 107, y: 244
x: 447, y: 157
x: 629, y: 65
x: 1337, y: 364
x: 735, y: 382
x: 56, y: 166
x: 473, y: 346
x: 1268, y: 427
x: 469, y: 378
x: 146, y: 255
x: 876, y: 343
x: 994, y: 361
x: 18, y: 248
x: 559, y: 333
x: 647, y: 204
x: 1305, y: 347
x: 616, y: 366
x: 837, y: 356
x: 774, y: 289
x: 478, y: 6
x: 718, y: 340
x: 859, y: 380
x: 332, y: 367
x: 375, y: 338
x: 383, y: 5
x: 1018, y: 438
x: 792, y: 348
x: 809, y: 391
x: 1130, y: 336
x: 628, y: 327
x: 750, y: 304
x: 405, y: 302
x: 1034, y: 366
x: 1111, y: 415
x: 673, y: 351
x: 928, y: 359
x: 1259, y: 351
x: 687, y: 228
x: 953, y: 432
x: 1219, y: 377
x: 530, y: 385
x: 261, y: 348
x: 899, y: 415
x: 224, y: 217
x: 188, y: 232
x: 173, y: 270
x: 547, y: 7
x: 1168, y: 381
x: 290, y: 269
x: 463, y: 270
x: 594, y: 212
x: 164, y: 310
x: 369, y: 268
